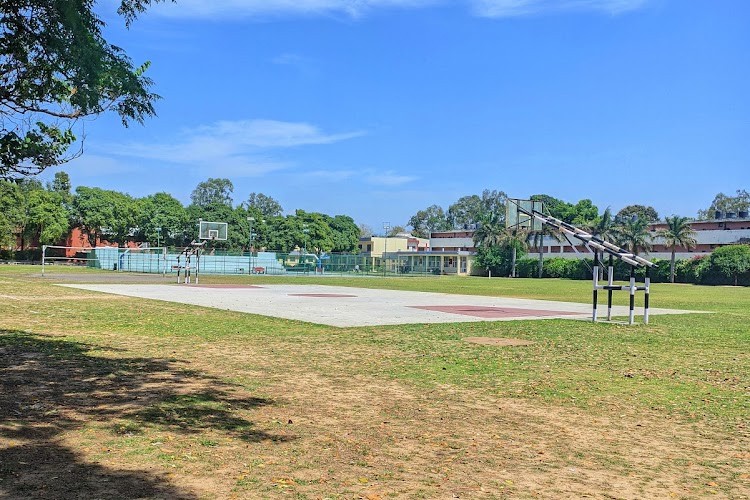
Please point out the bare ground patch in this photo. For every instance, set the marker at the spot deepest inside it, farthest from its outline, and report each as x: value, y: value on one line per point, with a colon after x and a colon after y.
x: 498, y: 341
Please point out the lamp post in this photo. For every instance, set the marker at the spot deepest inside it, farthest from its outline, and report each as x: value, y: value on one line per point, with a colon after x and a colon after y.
x: 158, y: 263
x: 386, y: 228
x: 250, y: 221
x: 305, y: 230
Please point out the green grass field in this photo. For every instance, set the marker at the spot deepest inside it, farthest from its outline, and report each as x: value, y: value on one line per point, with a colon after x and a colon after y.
x: 155, y: 399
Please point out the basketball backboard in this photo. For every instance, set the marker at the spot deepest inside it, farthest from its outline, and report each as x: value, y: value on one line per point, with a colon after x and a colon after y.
x: 215, y: 231
x: 519, y: 214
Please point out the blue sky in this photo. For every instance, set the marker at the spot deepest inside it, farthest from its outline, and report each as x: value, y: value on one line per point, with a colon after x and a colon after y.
x: 378, y: 108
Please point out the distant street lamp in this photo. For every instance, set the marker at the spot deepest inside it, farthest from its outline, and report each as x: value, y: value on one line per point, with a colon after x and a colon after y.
x: 306, y: 231
x: 304, y: 252
x: 158, y: 262
x: 386, y: 228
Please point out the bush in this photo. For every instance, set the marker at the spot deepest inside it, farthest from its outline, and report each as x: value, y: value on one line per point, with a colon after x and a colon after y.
x: 726, y: 266
x: 685, y: 270
x: 527, y: 267
x: 729, y: 265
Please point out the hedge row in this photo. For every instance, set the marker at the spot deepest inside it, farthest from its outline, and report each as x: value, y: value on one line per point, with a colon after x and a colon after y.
x: 708, y: 270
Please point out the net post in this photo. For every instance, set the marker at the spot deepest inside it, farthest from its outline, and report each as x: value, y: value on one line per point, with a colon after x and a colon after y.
x: 44, y: 251
x: 645, y: 296
x: 632, y: 295
x: 610, y: 281
x: 197, y: 263
x: 595, y: 279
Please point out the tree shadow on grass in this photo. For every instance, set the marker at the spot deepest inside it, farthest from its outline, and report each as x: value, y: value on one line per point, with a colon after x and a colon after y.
x: 50, y: 386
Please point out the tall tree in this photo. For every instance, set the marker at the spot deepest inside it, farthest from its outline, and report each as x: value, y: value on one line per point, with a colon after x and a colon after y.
x: 583, y: 213
x: 490, y: 232
x: 724, y: 203
x: 555, y: 207
x: 48, y: 218
x: 57, y: 69
x: 316, y: 235
x: 213, y: 192
x: 604, y: 226
x: 345, y: 233
x: 266, y: 205
x: 492, y: 238
x: 732, y: 261
x: 515, y: 239
x: 395, y: 231
x: 633, y: 235
x: 365, y: 231
x: 678, y: 233
x: 466, y: 210
x: 61, y: 185
x: 428, y: 220
x: 536, y: 239
x: 12, y: 213
x: 162, y: 219
x: 104, y: 214
x: 26, y: 229
x: 644, y: 212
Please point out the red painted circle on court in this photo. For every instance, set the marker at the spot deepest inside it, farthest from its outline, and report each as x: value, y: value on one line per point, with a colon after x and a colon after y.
x: 495, y: 312
x: 227, y: 286
x: 321, y: 295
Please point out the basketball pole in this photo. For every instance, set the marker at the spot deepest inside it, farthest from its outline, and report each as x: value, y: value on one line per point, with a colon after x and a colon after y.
x: 632, y: 295
x: 610, y: 282
x: 596, y: 284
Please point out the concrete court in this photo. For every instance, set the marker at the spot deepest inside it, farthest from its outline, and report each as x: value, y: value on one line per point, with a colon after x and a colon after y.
x: 347, y: 307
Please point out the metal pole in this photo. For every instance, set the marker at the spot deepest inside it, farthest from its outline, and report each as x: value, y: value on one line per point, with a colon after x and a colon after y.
x: 610, y: 280
x: 645, y: 300
x: 164, y: 257
x: 44, y: 251
x: 386, y: 227
x: 197, y: 263
x: 250, y: 259
x: 632, y: 295
x: 596, y: 284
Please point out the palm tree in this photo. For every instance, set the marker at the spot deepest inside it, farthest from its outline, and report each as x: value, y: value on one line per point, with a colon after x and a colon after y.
x: 514, y: 238
x: 490, y: 231
x: 605, y: 228
x: 632, y: 234
x: 678, y: 233
x: 536, y: 240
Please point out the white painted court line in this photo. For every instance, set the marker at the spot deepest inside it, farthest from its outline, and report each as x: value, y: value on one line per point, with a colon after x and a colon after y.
x: 358, y: 306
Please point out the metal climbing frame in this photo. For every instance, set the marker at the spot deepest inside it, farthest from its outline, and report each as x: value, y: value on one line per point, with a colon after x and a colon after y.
x: 185, y: 259
x: 599, y: 247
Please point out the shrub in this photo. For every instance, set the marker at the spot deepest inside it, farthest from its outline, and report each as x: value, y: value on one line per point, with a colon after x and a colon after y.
x: 728, y: 265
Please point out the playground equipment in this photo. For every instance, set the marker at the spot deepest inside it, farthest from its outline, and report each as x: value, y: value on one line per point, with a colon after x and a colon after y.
x: 529, y: 214
x: 185, y: 261
x: 207, y: 231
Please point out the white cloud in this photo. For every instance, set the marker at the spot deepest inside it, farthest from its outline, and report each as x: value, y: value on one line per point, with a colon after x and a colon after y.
x: 389, y: 178
x: 517, y: 8
x: 233, y: 9
x: 237, y: 148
